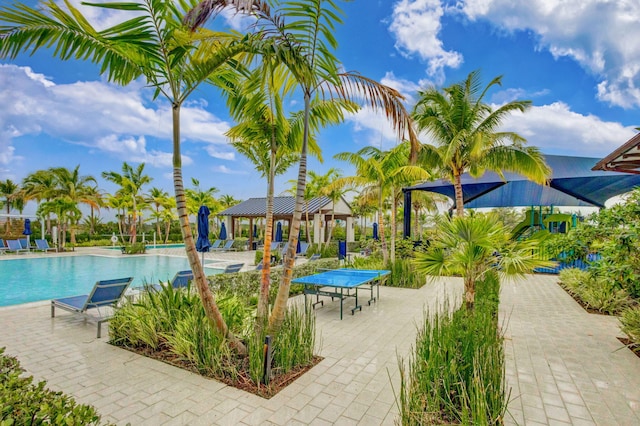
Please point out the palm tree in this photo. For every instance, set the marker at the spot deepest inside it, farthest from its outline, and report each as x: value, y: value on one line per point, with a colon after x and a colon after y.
x: 40, y: 186
x: 157, y: 198
x: 66, y: 212
x: 10, y: 191
x: 465, y: 130
x: 381, y: 174
x: 131, y: 181
x: 471, y: 246
x: 151, y: 45
x: 304, y: 46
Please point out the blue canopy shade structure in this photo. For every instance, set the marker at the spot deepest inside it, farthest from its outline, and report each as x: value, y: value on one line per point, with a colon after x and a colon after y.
x: 572, y: 183
x: 278, y: 237
x: 375, y: 231
x: 223, y: 232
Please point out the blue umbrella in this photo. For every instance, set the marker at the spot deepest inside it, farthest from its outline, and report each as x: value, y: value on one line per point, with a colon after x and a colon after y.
x: 255, y: 231
x: 203, y: 244
x: 278, y: 237
x: 27, y: 231
x: 375, y: 231
x: 298, y: 248
x: 223, y: 232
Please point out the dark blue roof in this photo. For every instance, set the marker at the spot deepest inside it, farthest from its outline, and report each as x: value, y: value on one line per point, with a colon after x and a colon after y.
x: 572, y: 183
x: 282, y: 206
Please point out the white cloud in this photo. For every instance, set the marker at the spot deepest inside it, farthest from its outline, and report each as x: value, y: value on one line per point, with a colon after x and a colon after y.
x: 95, y: 114
x: 555, y: 129
x: 416, y: 26
x: 226, y: 170
x: 223, y: 155
x: 602, y: 36
x: 374, y: 128
x: 406, y: 87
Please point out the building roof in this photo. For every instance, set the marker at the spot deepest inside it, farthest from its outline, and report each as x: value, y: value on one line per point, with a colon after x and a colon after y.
x: 282, y: 206
x: 624, y: 159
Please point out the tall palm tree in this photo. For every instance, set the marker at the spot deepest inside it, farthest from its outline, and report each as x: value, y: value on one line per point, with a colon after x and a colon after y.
x: 40, y: 186
x: 131, y: 181
x: 381, y: 174
x: 157, y: 198
x: 150, y: 45
x: 76, y: 188
x: 466, y: 135
x: 304, y: 45
x: 329, y: 185
x: 9, y: 191
x: 66, y: 212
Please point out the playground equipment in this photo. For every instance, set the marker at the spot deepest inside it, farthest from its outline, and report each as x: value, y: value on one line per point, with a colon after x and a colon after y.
x: 536, y: 220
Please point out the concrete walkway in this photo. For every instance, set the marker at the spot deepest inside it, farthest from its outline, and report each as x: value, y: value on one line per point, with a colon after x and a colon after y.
x: 562, y: 364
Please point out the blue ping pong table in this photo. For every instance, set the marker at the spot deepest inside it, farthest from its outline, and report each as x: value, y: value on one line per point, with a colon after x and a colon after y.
x: 339, y: 283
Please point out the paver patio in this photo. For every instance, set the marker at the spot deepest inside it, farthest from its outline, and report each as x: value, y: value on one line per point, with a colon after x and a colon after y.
x: 563, y: 365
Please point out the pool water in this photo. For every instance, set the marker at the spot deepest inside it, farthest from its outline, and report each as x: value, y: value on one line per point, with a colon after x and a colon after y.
x: 30, y: 280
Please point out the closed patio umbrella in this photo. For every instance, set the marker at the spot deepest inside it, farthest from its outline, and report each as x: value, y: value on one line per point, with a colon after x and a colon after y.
x: 27, y: 232
x: 223, y: 231
x: 278, y: 237
x: 375, y: 231
x: 203, y: 244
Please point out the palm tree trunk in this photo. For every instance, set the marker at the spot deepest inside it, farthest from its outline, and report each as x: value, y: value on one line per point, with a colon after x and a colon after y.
x: 280, y: 305
x: 306, y: 222
x: 469, y: 292
x: 417, y: 235
x: 333, y: 215
x: 265, y: 276
x: 457, y: 185
x: 134, y: 221
x: 200, y: 279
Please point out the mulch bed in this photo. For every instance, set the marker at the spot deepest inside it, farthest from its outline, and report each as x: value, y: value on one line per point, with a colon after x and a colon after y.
x: 634, y: 347
x: 242, y: 381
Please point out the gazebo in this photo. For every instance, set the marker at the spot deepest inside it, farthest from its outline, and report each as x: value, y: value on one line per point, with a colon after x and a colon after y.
x: 319, y: 210
x: 625, y: 159
x: 574, y: 182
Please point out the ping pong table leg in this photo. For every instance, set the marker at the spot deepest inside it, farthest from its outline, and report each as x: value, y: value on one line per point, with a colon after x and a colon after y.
x: 357, y: 307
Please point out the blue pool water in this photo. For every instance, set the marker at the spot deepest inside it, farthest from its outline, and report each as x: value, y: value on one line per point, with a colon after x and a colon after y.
x: 44, y: 278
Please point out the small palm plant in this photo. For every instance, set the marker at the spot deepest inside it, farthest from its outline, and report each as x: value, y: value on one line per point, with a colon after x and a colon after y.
x: 471, y: 246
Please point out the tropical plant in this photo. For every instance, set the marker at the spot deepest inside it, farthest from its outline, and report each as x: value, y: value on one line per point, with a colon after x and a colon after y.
x: 630, y: 321
x: 473, y: 246
x: 151, y: 45
x: 40, y: 186
x: 9, y: 190
x: 158, y: 198
x: 131, y: 181
x: 66, y: 212
x: 467, y: 137
x: 381, y: 174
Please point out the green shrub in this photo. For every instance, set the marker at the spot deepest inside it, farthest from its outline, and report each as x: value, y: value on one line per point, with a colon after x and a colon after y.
x: 594, y: 291
x: 630, y: 320
x: 456, y: 373
x: 135, y: 248
x: 404, y: 274
x: 24, y: 403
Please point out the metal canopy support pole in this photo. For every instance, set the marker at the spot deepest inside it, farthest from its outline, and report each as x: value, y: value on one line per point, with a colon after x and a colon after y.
x: 407, y: 214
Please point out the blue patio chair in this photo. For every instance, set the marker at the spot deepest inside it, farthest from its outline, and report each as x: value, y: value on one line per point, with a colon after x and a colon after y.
x: 275, y: 245
x: 24, y: 243
x: 215, y: 245
x: 43, y: 245
x: 180, y: 280
x: 303, y: 249
x: 3, y: 248
x: 314, y: 256
x: 106, y: 293
x: 15, y: 246
x: 232, y: 268
x: 228, y: 246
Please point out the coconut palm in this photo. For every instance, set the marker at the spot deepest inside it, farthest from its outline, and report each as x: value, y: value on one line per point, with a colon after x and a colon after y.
x: 467, y: 136
x: 9, y: 191
x: 66, y: 212
x: 40, y: 186
x: 304, y: 45
x: 381, y: 174
x: 471, y: 246
x: 131, y: 181
x: 157, y: 198
x: 150, y: 45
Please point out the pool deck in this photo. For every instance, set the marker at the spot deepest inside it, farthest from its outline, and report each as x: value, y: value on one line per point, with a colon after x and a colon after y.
x: 564, y: 365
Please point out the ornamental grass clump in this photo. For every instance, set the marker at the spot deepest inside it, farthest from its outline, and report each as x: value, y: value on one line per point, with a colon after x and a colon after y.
x: 630, y: 321
x: 457, y: 371
x: 594, y: 292
x: 171, y: 325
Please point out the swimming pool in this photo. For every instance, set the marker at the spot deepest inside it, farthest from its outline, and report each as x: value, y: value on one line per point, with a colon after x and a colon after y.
x: 43, y: 278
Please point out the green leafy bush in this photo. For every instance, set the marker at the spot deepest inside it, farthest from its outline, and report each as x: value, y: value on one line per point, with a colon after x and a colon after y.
x: 135, y: 248
x: 456, y: 374
x: 24, y: 403
x: 594, y: 291
x: 630, y: 320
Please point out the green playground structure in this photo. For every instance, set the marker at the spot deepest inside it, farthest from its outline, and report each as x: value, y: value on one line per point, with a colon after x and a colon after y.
x: 536, y: 220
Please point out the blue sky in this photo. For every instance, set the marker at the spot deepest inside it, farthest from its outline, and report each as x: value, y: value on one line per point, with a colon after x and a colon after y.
x: 577, y: 60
